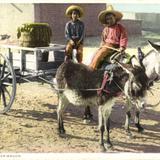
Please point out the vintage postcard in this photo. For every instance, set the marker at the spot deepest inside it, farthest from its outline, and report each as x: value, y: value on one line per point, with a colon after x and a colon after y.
x: 80, y: 80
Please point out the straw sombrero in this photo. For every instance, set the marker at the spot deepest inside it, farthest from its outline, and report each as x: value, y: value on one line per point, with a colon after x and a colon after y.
x: 74, y: 7
x: 109, y: 9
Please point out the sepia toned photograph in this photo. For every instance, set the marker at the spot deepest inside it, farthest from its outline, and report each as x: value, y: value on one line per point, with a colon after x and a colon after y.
x: 80, y: 78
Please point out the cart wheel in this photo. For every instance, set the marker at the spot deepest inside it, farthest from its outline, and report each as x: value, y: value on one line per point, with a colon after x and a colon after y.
x: 7, y: 84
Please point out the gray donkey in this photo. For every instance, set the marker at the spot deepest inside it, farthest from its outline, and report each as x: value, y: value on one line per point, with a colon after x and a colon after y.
x: 79, y: 85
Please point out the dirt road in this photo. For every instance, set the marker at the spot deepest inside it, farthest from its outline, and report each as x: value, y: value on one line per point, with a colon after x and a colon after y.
x: 31, y: 125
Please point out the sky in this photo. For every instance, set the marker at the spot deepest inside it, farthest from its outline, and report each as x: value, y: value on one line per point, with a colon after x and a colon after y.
x: 147, y: 8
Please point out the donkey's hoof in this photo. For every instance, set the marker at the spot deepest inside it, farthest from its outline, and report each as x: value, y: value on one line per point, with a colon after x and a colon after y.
x: 61, y: 131
x: 130, y: 135
x: 108, y: 145
x: 86, y: 121
x: 140, y: 130
x: 102, y: 148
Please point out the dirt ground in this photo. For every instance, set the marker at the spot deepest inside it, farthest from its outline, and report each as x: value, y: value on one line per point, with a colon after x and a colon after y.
x: 31, y: 125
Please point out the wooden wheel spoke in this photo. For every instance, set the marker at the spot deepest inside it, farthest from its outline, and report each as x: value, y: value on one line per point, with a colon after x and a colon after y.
x: 7, y: 84
x: 3, y: 98
x: 5, y: 90
x: 3, y: 70
x: 6, y: 76
x: 0, y: 93
x: 0, y: 69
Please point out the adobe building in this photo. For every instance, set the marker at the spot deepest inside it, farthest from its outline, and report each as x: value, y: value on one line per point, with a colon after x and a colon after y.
x: 150, y: 21
x: 12, y: 15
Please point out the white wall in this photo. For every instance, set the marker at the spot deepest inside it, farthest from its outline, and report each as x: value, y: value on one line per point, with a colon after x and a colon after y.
x: 13, y: 15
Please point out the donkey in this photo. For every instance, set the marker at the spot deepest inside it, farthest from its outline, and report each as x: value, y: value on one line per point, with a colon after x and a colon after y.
x: 77, y: 84
x: 151, y: 62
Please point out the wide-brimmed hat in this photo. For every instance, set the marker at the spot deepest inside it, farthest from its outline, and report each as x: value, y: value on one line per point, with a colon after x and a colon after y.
x: 74, y: 7
x: 109, y: 9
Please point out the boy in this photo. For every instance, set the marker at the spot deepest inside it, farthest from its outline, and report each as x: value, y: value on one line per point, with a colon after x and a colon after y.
x: 74, y: 32
x: 114, y: 35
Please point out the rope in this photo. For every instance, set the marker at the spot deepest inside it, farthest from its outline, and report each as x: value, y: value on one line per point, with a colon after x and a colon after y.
x: 61, y: 89
x: 129, y: 98
x: 119, y: 87
x: 105, y: 46
x: 49, y: 82
x: 91, y: 89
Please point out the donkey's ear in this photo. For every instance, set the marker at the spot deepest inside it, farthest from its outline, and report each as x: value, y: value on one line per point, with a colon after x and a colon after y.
x: 134, y: 61
x: 155, y: 46
x: 131, y: 57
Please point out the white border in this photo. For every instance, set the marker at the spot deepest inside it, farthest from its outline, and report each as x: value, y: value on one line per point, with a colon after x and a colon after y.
x: 82, y: 1
x: 81, y: 156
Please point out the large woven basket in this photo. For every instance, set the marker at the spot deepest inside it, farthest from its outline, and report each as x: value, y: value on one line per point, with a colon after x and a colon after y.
x: 34, y: 35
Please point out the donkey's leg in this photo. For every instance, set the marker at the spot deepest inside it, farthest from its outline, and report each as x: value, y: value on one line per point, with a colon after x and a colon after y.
x: 137, y: 122
x: 109, y: 144
x: 63, y: 102
x: 128, y: 118
x: 127, y: 122
x: 140, y: 104
x: 87, y: 113
x: 60, y: 120
x: 104, y: 121
x: 102, y: 129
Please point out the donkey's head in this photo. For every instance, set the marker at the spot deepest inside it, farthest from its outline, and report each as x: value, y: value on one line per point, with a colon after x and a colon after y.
x: 136, y: 86
x: 137, y: 83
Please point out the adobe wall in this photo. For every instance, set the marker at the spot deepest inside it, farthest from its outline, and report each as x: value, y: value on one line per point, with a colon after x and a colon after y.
x: 13, y: 15
x: 54, y: 14
x: 133, y: 27
x: 150, y: 21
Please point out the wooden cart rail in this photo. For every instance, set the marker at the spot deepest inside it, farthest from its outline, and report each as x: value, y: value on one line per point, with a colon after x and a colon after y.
x: 52, y: 47
x: 27, y: 58
x: 25, y: 63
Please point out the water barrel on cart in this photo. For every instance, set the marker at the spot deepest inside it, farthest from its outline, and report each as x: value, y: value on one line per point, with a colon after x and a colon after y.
x: 35, y: 35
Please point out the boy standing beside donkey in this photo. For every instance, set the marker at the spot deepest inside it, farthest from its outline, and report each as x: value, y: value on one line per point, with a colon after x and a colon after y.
x: 74, y: 32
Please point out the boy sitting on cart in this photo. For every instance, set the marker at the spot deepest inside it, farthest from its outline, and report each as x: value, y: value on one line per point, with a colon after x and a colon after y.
x: 74, y: 33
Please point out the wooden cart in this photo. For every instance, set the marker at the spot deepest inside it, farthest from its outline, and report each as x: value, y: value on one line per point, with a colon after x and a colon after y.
x: 21, y: 64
